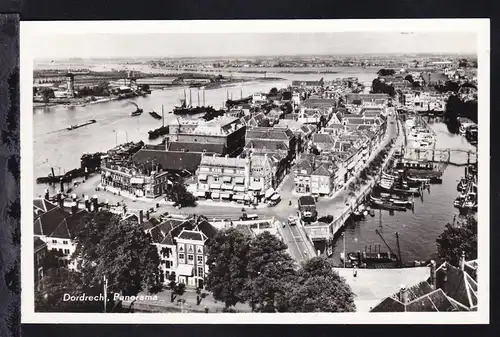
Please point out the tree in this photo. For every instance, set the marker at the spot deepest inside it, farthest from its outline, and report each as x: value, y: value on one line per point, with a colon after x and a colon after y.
x: 57, y: 285
x: 47, y: 94
x: 180, y: 195
x: 176, y: 288
x: 409, y: 78
x: 457, y: 239
x: 269, y: 268
x: 119, y: 250
x: 386, y: 72
x: 227, y: 260
x: 317, y: 288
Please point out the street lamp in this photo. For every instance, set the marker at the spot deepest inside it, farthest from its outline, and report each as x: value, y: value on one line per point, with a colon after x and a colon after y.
x: 343, y: 239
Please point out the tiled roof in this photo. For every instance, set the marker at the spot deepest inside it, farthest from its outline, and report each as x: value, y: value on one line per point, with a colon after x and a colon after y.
x: 459, y: 285
x: 57, y: 223
x: 288, y: 123
x: 269, y: 133
x: 41, y: 205
x: 305, y: 164
x: 321, y: 171
x: 210, y: 148
x: 165, y: 232
x: 322, y: 138
x: 177, y: 161
x: 190, y: 235
x: 38, y: 243
x: 268, y: 144
x: 421, y: 299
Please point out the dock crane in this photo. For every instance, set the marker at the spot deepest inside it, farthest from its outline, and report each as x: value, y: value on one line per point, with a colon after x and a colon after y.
x: 388, y: 247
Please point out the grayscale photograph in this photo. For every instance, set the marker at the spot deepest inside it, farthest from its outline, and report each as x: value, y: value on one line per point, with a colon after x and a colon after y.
x: 255, y: 172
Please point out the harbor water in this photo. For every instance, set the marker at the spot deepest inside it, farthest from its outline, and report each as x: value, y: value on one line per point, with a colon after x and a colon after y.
x: 57, y: 147
x: 418, y: 229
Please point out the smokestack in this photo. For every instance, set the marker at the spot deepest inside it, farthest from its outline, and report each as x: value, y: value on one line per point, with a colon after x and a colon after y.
x: 433, y: 274
x: 62, y: 185
x: 147, y: 215
x: 46, y: 195
x: 141, y: 217
x: 445, y: 278
x: 52, y: 169
x: 404, y: 294
x: 60, y: 199
x: 462, y: 261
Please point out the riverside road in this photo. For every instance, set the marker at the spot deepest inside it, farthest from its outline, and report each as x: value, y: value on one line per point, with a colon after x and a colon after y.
x: 294, y: 237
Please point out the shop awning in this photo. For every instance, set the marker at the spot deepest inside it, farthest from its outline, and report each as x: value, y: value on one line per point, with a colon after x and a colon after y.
x: 215, y: 186
x: 202, y: 177
x: 199, y: 194
x: 215, y: 195
x: 255, y: 187
x: 184, y: 270
x: 238, y: 197
x: 225, y: 195
x: 227, y: 179
x: 239, y: 188
x: 239, y: 180
x: 227, y: 187
x: 269, y: 192
x: 137, y: 180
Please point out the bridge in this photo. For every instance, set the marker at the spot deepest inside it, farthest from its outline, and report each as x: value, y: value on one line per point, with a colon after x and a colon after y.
x: 458, y: 157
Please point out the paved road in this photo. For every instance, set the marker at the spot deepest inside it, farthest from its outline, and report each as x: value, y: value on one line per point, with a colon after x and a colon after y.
x: 292, y: 235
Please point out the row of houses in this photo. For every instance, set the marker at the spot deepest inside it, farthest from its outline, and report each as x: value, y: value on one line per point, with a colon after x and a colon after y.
x: 339, y: 151
x: 181, y: 242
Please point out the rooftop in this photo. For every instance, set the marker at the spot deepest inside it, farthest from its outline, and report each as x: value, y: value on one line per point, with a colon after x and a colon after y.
x: 177, y: 161
x: 223, y: 161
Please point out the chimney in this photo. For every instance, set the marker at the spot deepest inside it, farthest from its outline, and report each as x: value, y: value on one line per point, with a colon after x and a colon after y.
x: 60, y: 201
x: 445, y: 278
x: 433, y: 274
x: 141, y: 217
x: 147, y: 214
x: 462, y: 261
x: 74, y: 207
x: 95, y: 203
x: 404, y: 294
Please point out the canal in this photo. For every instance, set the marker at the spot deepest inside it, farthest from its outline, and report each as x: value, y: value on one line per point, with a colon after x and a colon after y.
x: 418, y: 229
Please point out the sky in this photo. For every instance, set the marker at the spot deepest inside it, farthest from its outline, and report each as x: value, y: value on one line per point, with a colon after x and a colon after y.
x: 59, y: 46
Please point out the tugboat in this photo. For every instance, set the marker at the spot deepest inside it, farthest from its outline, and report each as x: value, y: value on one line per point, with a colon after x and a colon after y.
x: 459, y: 201
x: 462, y: 185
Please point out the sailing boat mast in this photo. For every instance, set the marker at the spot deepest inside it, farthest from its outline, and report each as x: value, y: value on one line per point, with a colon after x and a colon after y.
x: 162, y: 116
x: 399, y: 249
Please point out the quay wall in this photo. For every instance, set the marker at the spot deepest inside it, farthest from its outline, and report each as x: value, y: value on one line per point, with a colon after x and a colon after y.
x: 339, y: 222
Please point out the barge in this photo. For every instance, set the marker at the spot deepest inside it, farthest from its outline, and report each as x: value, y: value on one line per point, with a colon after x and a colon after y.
x: 77, y: 126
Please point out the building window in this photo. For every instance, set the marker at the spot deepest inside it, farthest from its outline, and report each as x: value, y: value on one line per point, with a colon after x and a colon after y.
x: 181, y: 256
x: 216, y: 178
x: 167, y: 264
x: 66, y: 251
x: 54, y: 241
x: 190, y: 257
x: 65, y: 242
x: 200, y: 271
x: 199, y: 258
